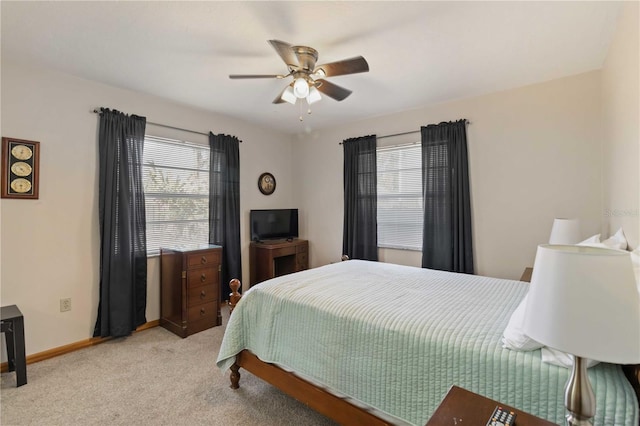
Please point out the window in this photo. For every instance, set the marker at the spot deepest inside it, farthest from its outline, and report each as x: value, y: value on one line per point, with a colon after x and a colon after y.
x: 400, y: 209
x: 176, y: 189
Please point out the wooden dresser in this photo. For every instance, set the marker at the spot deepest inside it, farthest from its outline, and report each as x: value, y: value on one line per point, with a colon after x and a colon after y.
x: 190, y: 288
x: 271, y: 259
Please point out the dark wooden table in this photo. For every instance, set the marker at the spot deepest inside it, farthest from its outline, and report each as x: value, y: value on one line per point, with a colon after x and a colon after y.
x: 12, y: 325
x: 464, y: 408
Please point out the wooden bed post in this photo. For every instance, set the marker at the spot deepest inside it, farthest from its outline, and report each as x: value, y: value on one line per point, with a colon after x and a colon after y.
x: 235, y: 376
x: 234, y: 296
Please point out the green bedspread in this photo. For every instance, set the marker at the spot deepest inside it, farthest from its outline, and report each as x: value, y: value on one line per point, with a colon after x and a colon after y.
x: 396, y: 338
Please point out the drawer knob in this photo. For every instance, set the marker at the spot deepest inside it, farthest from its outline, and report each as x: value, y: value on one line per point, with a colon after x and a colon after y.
x: 201, y: 311
x: 203, y: 277
x: 202, y: 294
x: 203, y: 260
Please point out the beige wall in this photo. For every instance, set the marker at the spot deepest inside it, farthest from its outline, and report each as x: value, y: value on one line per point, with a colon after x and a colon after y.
x: 50, y: 246
x: 621, y: 137
x: 534, y: 155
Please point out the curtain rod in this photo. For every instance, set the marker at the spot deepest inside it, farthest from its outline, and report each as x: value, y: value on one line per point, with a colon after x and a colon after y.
x: 403, y: 133
x: 177, y: 128
x: 398, y: 134
x: 97, y: 111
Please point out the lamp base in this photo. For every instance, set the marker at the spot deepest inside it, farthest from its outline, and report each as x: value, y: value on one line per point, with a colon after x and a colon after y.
x: 578, y: 395
x: 573, y: 420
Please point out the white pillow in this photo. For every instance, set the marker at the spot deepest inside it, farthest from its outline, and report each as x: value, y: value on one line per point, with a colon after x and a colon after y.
x: 561, y: 359
x: 513, y: 337
x: 616, y: 241
x: 595, y: 239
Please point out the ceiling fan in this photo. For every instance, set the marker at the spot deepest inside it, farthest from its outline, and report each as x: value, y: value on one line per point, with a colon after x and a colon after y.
x: 308, y: 79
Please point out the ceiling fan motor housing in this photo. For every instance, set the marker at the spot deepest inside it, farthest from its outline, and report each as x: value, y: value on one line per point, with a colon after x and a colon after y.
x: 307, y: 57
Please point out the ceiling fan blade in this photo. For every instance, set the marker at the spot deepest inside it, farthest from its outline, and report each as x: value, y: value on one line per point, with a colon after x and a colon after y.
x: 241, y: 76
x: 346, y: 66
x: 286, y: 52
x: 332, y: 90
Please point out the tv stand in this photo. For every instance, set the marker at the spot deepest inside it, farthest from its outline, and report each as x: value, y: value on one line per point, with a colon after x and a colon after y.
x: 269, y: 259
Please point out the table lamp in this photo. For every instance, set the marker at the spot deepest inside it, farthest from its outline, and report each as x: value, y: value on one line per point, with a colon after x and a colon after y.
x: 584, y: 301
x: 565, y: 231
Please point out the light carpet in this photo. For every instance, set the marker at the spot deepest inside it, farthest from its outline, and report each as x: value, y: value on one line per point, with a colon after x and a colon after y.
x: 150, y: 378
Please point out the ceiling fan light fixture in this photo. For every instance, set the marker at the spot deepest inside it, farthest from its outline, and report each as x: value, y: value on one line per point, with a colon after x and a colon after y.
x: 289, y: 96
x: 314, y: 95
x: 300, y: 88
x: 308, y: 79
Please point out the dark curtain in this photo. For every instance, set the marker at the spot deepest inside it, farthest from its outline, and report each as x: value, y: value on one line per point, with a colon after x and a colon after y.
x: 224, y: 205
x: 123, y: 238
x: 446, y: 240
x: 360, y: 231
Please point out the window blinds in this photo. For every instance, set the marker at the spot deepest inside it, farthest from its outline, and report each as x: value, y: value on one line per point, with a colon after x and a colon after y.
x: 176, y: 188
x: 400, y: 206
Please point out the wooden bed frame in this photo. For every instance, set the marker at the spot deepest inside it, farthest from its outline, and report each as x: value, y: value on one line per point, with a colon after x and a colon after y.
x: 333, y: 407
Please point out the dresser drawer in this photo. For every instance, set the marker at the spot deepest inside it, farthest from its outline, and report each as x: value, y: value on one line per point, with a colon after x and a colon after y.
x: 203, y: 259
x: 200, y: 277
x: 283, y: 251
x: 302, y: 248
x: 203, y: 294
x: 202, y: 324
x: 204, y: 312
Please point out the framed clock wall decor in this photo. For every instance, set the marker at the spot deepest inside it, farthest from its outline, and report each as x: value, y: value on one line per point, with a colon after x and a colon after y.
x: 20, y: 163
x: 267, y: 183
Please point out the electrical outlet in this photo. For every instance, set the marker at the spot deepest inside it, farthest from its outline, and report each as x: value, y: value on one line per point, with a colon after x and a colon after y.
x: 65, y: 304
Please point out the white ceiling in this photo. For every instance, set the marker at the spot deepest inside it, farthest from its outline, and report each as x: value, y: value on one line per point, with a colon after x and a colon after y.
x: 419, y: 53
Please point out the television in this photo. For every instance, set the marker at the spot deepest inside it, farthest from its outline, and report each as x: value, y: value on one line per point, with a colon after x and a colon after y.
x: 273, y: 224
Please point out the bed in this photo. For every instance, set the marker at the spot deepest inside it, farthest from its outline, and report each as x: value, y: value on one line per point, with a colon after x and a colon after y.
x: 374, y: 343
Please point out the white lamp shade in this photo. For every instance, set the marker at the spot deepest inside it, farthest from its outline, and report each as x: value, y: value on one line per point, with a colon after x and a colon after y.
x: 565, y: 231
x: 584, y: 301
x: 301, y: 88
x: 314, y: 95
x: 288, y: 95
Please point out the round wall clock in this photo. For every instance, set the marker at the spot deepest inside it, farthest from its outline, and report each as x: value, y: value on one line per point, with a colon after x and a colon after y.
x: 267, y: 183
x: 21, y: 152
x: 20, y: 168
x: 21, y: 185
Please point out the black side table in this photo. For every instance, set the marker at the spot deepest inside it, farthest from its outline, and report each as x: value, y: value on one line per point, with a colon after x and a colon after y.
x: 12, y: 325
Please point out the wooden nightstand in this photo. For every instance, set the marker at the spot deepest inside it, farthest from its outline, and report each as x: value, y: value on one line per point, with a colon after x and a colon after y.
x: 468, y: 408
x: 526, y: 275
